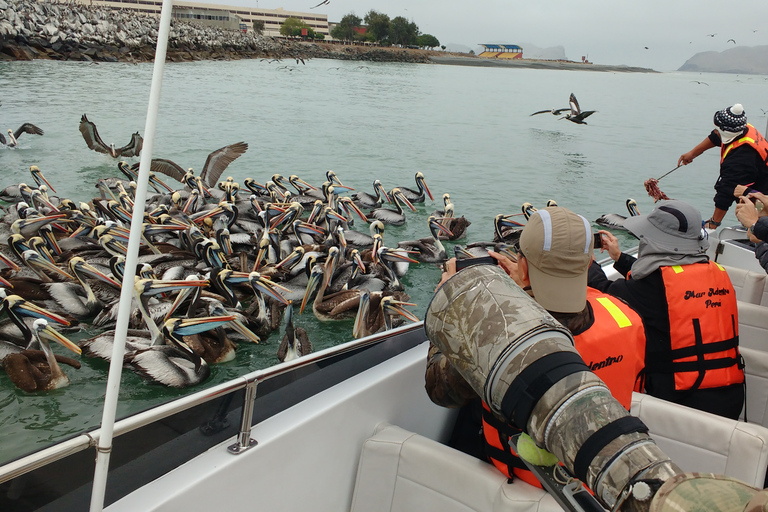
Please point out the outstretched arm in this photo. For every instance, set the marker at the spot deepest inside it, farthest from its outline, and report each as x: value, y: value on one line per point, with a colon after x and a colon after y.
x: 701, y: 147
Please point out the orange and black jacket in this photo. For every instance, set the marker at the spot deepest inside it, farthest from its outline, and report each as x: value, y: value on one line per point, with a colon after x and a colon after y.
x: 742, y: 162
x: 613, y: 346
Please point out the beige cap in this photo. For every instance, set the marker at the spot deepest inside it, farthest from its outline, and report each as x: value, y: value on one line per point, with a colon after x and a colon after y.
x: 558, y: 246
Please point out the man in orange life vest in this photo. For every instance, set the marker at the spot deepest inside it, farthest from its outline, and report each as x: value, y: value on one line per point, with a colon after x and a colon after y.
x: 688, y: 306
x: 556, y: 248
x: 743, y: 159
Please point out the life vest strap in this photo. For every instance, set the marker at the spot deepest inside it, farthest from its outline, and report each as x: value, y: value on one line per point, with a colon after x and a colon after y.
x: 693, y: 350
x: 511, y: 460
x: 530, y: 385
x: 501, y: 426
x: 692, y: 366
x: 602, y: 438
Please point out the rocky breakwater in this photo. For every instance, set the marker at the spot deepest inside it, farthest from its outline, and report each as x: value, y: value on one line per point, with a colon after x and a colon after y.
x: 47, y: 30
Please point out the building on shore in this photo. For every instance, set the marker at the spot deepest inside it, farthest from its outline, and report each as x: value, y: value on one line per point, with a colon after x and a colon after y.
x: 501, y: 51
x: 222, y: 16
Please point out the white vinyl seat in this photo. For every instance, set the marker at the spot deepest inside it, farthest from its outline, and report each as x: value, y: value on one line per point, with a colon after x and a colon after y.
x: 400, y: 471
x: 753, y: 345
x: 699, y: 441
x: 749, y: 285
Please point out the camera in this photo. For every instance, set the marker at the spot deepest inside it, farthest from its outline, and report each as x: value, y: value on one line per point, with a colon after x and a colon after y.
x: 480, y: 260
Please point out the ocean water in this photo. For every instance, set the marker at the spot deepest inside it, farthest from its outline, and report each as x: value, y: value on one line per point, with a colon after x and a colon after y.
x: 468, y: 130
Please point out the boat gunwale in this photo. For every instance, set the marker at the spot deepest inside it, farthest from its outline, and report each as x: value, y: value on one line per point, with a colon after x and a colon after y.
x: 63, y: 449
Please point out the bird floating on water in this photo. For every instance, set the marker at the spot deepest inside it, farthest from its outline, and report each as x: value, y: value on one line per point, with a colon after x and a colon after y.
x: 94, y: 141
x: 12, y: 136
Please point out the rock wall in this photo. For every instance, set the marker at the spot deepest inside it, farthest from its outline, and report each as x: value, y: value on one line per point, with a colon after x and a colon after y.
x: 45, y: 30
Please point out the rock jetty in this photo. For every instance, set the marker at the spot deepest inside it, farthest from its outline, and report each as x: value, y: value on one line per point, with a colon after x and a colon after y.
x: 47, y: 30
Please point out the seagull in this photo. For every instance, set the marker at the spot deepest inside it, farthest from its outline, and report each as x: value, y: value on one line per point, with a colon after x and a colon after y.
x: 711, y: 35
x: 324, y: 2
x: 734, y: 41
x: 700, y: 83
x: 214, y: 166
x: 554, y: 111
x: 576, y: 115
x: 92, y: 138
x: 12, y: 136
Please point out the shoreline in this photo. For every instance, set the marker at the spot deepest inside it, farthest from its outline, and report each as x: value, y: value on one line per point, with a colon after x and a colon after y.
x: 455, y: 60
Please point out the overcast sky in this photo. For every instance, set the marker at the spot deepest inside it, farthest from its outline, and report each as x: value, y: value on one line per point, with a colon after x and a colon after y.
x: 609, y: 32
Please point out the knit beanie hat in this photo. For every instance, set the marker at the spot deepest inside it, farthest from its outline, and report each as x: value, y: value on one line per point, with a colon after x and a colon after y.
x: 731, y: 122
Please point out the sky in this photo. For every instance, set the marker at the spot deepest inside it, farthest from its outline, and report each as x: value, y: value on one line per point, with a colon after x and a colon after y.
x: 607, y: 32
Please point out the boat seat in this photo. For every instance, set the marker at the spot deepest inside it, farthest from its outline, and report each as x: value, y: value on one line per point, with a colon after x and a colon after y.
x: 749, y: 285
x: 699, y: 441
x: 400, y: 471
x: 753, y: 345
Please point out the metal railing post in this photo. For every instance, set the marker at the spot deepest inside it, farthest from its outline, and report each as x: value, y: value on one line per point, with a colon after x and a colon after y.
x: 244, y: 441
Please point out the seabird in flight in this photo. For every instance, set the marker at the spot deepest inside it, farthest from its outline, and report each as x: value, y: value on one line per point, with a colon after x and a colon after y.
x: 553, y: 111
x: 12, y: 136
x: 94, y: 141
x: 576, y: 115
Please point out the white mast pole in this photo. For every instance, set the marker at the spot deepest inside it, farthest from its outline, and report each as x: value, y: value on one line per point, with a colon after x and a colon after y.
x: 104, y: 447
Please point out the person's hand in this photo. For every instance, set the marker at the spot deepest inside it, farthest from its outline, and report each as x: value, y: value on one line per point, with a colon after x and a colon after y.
x: 450, y: 269
x: 685, y: 158
x: 610, y: 244
x: 763, y: 201
x: 746, y: 212
x: 740, y: 190
x: 508, y: 266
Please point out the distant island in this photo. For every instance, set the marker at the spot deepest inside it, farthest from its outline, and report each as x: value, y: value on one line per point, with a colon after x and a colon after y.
x: 749, y: 60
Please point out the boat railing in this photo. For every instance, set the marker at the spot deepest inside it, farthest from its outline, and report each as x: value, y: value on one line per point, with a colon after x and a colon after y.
x: 248, y: 382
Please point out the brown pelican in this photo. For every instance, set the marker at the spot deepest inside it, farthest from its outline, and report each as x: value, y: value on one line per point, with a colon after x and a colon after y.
x: 214, y: 345
x: 576, y: 115
x: 375, y: 312
x: 430, y: 249
x: 30, y: 372
x: 214, y: 166
x: 176, y: 365
x: 295, y: 342
x: 616, y: 221
x: 553, y: 111
x: 18, y: 309
x: 416, y: 196
x: 336, y: 306
x: 92, y: 138
x: 12, y: 136
x: 393, y: 217
x: 80, y: 301
x: 505, y: 229
x: 367, y: 201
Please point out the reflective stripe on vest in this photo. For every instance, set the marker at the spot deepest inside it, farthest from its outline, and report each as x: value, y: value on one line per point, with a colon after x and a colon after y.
x: 704, y: 331
x: 614, y: 346
x: 752, y: 138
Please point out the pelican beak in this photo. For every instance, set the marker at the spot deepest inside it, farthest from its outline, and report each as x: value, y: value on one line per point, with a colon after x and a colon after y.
x: 405, y: 200
x: 357, y: 327
x: 32, y: 258
x: 180, y: 298
x: 157, y: 181
x: 8, y: 262
x: 383, y: 192
x: 198, y: 218
x: 54, y: 335
x: 302, y: 182
x: 356, y: 210
x: 359, y: 261
x: 441, y: 228
x: 96, y: 274
x: 398, y: 255
x: 259, y: 258
x: 312, y: 283
x: 158, y: 286
x: 507, y: 221
x: 188, y: 326
x: 377, y: 243
x: 40, y: 175
x: 5, y: 282
x: 245, y: 331
x: 424, y: 182
x: 35, y: 311
x: 335, y: 214
x: 396, y: 306
x: 310, y: 229
x: 269, y: 288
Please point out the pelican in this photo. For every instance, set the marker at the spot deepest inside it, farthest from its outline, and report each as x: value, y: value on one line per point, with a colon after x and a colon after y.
x: 393, y: 217
x: 12, y: 136
x: 176, y: 365
x: 416, y: 196
x: 576, y: 115
x: 214, y: 166
x: 616, y: 221
x: 295, y: 342
x: 430, y: 249
x: 367, y: 201
x: 336, y: 306
x: 456, y: 225
x: 375, y: 312
x: 69, y: 296
x: 29, y: 373
x: 92, y: 138
x: 505, y: 229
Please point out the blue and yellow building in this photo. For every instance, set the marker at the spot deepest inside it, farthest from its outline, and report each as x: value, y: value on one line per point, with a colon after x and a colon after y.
x: 501, y: 51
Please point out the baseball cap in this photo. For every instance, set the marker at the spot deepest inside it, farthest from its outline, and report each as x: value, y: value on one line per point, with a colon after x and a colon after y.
x: 558, y: 246
x: 673, y: 225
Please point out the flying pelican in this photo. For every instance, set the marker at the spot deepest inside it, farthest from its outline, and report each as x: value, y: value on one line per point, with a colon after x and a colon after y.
x: 616, y: 221
x: 416, y: 196
x: 430, y: 249
x: 295, y: 342
x: 576, y: 115
x: 12, y: 136
x: 393, y: 217
x: 214, y: 166
x: 94, y: 141
x: 553, y: 111
x: 30, y: 372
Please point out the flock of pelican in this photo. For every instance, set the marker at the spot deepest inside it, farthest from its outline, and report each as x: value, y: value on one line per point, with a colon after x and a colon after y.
x: 219, y: 264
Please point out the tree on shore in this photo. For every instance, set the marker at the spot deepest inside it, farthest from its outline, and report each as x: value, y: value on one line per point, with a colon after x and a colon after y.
x: 258, y: 26
x: 403, y: 32
x: 292, y: 27
x: 378, y: 26
x: 345, y: 30
x: 427, y: 41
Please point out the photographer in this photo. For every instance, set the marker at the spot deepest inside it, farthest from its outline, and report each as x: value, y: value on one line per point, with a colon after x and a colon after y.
x: 756, y: 224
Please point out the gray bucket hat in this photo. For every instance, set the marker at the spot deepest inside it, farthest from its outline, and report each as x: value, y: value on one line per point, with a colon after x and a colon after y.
x: 673, y: 225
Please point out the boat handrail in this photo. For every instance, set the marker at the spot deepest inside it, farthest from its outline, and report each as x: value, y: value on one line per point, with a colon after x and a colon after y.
x: 90, y: 439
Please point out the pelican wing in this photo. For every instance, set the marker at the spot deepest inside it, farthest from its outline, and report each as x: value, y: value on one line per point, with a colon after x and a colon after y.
x: 27, y: 128
x: 163, y: 166
x: 541, y: 112
x: 133, y: 148
x: 219, y: 160
x: 575, y: 110
x: 91, y: 136
x: 2, y: 140
x: 586, y: 114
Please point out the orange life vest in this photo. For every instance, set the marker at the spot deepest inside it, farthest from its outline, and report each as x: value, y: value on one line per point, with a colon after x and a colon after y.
x: 613, y: 347
x: 703, y: 328
x: 752, y: 138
